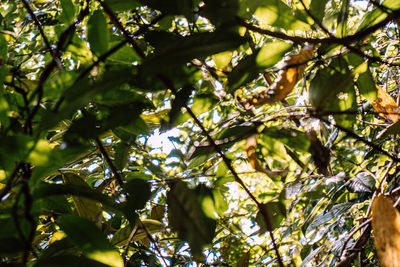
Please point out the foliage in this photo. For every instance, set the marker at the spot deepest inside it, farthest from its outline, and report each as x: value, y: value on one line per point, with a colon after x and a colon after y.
x: 279, y: 123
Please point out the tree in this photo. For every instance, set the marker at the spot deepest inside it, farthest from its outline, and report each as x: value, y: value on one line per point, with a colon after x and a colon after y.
x: 281, y: 119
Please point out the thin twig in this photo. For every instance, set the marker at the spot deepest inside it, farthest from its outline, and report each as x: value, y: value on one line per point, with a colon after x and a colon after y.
x: 120, y: 27
x: 150, y: 237
x: 113, y: 169
x: 41, y: 31
x: 359, y: 138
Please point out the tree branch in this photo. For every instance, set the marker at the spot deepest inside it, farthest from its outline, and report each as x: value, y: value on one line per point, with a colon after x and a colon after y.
x: 227, y: 161
x: 329, y: 40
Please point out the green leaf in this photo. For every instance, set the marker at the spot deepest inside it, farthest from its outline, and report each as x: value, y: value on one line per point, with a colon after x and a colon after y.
x: 125, y: 55
x: 45, y: 190
x: 51, y: 160
x: 293, y: 138
x: 91, y: 241
x: 203, y: 103
x: 53, y: 204
x: 236, y: 133
x: 276, y: 213
x: 181, y: 99
x: 68, y: 11
x: 365, y: 82
x: 68, y: 260
x: 198, y: 45
x: 220, y: 12
x: 121, y: 157
x: 222, y: 59
x: 377, y: 15
x: 332, y: 90
x: 122, y: 5
x: 277, y: 13
x: 393, y: 129
x: 86, y: 208
x: 271, y: 53
x: 139, y: 193
x: 97, y: 33
x: 187, y: 217
x: 248, y: 7
x: 317, y: 8
x: 250, y: 66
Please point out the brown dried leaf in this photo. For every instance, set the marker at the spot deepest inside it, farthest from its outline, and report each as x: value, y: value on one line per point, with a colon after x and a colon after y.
x: 385, y: 105
x: 251, y: 146
x: 285, y: 82
x: 386, y: 226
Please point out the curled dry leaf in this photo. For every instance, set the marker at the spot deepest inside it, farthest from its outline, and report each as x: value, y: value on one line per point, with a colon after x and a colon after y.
x: 251, y: 146
x: 288, y: 77
x: 385, y: 105
x: 386, y: 226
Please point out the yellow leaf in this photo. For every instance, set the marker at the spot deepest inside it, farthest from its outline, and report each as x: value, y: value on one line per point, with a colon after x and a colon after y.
x: 386, y: 226
x: 385, y: 105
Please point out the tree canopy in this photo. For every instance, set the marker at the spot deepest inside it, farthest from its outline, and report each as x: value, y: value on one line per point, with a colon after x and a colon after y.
x: 199, y: 132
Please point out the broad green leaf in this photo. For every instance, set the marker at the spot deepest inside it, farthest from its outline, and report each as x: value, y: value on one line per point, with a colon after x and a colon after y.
x: 97, y: 33
x: 122, y: 5
x: 221, y: 12
x: 222, y: 59
x: 365, y: 82
x: 51, y: 160
x: 249, y: 67
x: 187, y: 217
x: 198, y: 45
x: 317, y: 8
x: 86, y: 208
x: 393, y: 129
x: 277, y: 13
x: 271, y: 53
x: 124, y: 55
x: 138, y: 191
x: 236, y: 133
x: 45, y: 190
x: 367, y: 86
x: 276, y: 213
x: 181, y: 99
x: 377, y: 15
x: 68, y: 11
x: 14, y: 148
x: 203, y: 103
x: 121, y: 157
x: 91, y: 241
x: 248, y: 7
x: 122, y: 236
x: 332, y: 91
x: 293, y: 138
x: 53, y: 204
